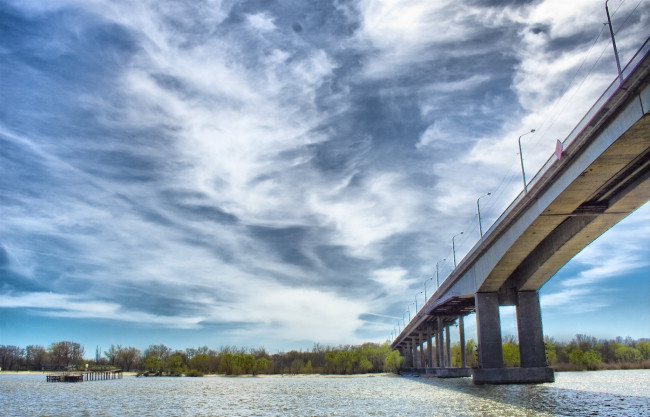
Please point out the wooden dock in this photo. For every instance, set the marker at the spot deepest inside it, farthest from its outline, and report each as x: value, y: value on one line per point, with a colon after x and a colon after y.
x: 84, y: 376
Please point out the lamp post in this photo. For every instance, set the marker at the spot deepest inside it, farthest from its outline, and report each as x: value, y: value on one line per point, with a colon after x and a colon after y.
x: 416, y: 302
x: 611, y: 32
x: 521, y: 158
x: 453, y: 247
x: 438, y: 283
x: 408, y: 308
x: 425, y: 288
x: 478, y: 209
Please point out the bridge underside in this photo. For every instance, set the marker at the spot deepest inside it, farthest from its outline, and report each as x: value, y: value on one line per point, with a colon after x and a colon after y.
x: 611, y: 188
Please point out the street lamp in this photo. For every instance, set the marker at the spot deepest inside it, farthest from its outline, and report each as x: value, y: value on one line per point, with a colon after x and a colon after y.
x: 611, y: 32
x: 521, y: 157
x: 416, y: 302
x: 408, y: 308
x: 438, y: 283
x: 453, y: 247
x: 425, y: 288
x: 478, y: 209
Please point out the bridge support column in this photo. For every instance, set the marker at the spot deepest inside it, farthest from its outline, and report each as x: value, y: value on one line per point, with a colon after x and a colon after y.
x: 443, y: 346
x: 429, y: 347
x: 415, y: 351
x: 531, y: 342
x: 488, y: 330
x: 447, y: 348
x: 423, y: 363
x: 461, y: 336
x: 529, y: 326
x: 414, y: 356
x: 439, y: 345
x: 407, y: 353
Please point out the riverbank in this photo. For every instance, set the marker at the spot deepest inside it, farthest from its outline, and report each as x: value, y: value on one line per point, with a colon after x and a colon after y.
x: 383, y: 374
x: 51, y: 372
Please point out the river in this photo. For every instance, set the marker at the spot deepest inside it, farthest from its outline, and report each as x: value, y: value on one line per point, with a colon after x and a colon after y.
x: 605, y: 393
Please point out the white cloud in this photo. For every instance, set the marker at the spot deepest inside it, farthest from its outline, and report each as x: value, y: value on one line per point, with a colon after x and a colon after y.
x: 383, y: 208
x: 392, y: 279
x: 261, y: 22
x: 60, y: 305
x: 403, y: 31
x: 573, y: 301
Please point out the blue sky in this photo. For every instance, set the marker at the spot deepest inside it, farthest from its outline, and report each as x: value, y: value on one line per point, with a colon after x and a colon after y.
x: 280, y: 173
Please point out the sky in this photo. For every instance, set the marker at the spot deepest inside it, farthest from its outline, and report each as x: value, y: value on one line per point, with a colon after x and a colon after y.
x: 282, y: 173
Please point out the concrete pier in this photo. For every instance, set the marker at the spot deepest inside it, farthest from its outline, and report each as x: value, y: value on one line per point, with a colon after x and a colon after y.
x: 461, y: 337
x: 447, y: 348
x: 533, y: 367
x: 429, y: 346
x: 488, y: 330
x: 453, y: 372
x: 529, y: 327
x: 512, y: 375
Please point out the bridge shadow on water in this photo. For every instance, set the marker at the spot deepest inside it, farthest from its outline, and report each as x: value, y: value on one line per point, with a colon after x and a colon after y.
x: 541, y: 399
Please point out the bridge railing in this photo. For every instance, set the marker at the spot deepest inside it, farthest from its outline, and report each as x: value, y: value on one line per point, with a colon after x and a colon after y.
x: 613, y: 87
x: 631, y: 65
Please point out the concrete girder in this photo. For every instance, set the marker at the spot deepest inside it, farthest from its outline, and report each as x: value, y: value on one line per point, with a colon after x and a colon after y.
x: 613, y: 201
x: 614, y: 178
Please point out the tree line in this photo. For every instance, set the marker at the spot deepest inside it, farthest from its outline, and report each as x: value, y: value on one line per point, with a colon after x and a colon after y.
x: 58, y: 356
x: 587, y: 352
x: 581, y: 353
x: 228, y: 360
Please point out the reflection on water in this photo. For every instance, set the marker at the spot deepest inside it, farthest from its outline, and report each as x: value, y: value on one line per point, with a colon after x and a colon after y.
x: 607, y: 393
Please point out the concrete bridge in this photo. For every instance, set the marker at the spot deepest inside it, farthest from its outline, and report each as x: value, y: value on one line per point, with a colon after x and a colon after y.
x: 603, y: 175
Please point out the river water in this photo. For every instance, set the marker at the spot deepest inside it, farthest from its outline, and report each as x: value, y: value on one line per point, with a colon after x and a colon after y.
x: 604, y: 393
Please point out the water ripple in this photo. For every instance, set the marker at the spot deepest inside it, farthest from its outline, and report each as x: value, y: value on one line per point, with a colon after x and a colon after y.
x: 621, y: 393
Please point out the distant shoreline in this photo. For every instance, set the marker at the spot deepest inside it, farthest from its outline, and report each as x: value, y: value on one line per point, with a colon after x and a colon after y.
x: 366, y: 375
x: 369, y: 375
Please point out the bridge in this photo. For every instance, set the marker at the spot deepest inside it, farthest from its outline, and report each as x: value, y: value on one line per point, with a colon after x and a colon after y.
x: 601, y: 175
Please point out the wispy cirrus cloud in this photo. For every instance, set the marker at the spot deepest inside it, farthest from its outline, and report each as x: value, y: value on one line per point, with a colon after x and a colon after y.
x: 184, y: 161
x: 78, y: 307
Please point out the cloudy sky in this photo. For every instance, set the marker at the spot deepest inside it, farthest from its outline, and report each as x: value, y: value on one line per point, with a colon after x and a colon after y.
x: 280, y: 173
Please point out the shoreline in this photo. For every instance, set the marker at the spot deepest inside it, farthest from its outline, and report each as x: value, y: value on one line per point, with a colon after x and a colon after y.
x: 366, y: 375
x: 130, y: 373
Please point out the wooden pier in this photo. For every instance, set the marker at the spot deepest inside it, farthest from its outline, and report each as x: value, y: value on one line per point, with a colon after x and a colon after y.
x: 84, y: 376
